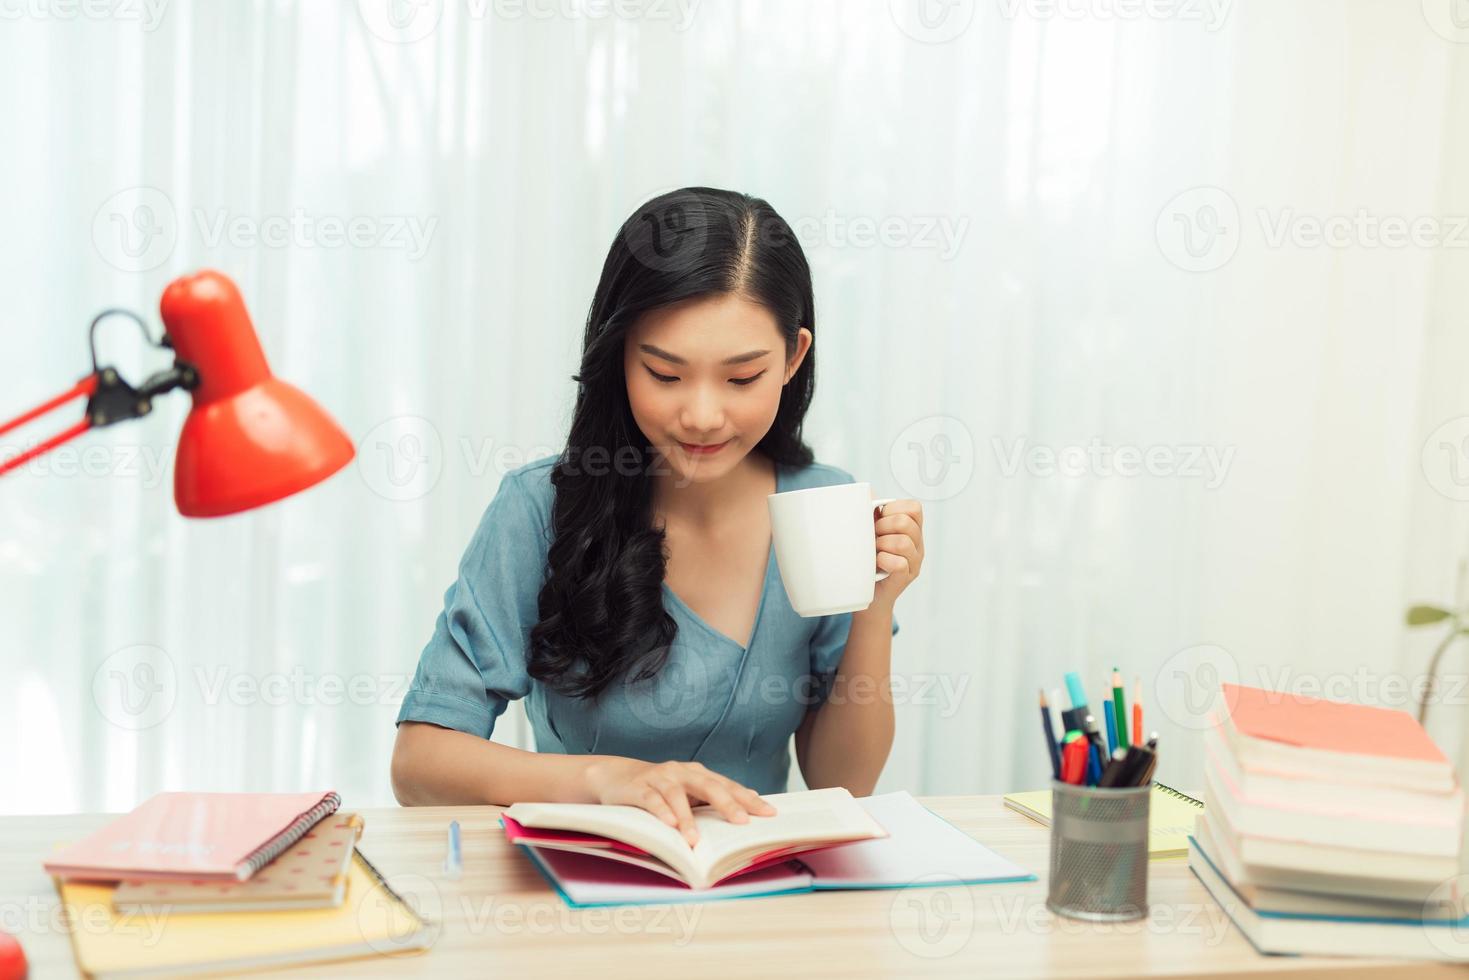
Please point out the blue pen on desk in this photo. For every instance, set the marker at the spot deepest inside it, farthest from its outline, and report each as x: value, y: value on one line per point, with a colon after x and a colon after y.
x: 454, y: 859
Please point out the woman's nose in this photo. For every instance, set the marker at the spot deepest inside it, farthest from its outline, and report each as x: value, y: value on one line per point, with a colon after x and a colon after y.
x: 703, y: 413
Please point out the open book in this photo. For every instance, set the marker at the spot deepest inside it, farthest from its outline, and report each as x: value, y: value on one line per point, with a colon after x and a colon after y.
x: 802, y: 822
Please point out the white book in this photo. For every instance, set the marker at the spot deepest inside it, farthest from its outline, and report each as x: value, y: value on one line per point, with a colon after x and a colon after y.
x: 1341, y: 892
x: 1283, y: 818
x: 802, y: 821
x: 1282, y: 932
x: 1319, y: 792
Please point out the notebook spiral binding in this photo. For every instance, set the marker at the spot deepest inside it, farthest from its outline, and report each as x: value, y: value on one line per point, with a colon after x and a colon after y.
x: 1178, y: 794
x: 270, y: 850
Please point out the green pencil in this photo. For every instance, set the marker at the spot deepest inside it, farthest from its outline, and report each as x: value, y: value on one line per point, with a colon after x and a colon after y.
x: 1119, y: 709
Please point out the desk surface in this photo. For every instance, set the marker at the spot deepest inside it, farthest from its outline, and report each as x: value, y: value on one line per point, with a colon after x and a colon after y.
x: 502, y: 918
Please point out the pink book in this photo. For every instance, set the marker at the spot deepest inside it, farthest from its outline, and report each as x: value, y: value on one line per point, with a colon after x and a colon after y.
x: 198, y: 836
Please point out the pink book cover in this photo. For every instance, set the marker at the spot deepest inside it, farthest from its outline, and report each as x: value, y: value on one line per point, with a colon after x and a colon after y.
x: 1335, y: 726
x: 204, y: 836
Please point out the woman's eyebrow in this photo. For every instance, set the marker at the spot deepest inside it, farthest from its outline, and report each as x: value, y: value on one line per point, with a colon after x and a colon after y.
x: 675, y: 359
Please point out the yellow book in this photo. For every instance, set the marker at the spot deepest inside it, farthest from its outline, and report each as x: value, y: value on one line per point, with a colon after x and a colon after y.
x: 374, y: 920
x: 1170, y: 817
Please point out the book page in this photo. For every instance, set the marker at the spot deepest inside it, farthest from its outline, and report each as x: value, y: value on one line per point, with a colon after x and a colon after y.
x: 812, y: 816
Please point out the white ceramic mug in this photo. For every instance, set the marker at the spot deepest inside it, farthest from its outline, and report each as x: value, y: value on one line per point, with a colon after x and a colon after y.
x: 826, y: 546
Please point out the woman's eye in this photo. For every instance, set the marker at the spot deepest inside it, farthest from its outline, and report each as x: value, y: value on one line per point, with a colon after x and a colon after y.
x: 666, y: 379
x: 747, y: 381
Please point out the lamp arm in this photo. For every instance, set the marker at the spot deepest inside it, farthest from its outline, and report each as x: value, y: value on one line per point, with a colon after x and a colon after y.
x: 109, y: 399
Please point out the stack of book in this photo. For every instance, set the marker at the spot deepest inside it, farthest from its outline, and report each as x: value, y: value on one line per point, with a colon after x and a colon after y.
x: 203, y: 882
x: 1331, y: 829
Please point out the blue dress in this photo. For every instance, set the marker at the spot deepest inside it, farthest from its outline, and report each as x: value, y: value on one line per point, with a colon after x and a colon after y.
x: 730, y: 707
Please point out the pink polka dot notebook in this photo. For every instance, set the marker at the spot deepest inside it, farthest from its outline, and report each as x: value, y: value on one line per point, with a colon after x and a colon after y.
x: 310, y: 874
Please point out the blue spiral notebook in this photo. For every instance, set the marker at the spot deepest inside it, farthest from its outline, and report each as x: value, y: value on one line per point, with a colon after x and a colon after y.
x: 921, y: 849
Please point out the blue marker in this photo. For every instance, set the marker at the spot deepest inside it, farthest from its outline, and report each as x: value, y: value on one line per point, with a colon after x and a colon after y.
x: 1076, y: 689
x: 1111, y: 727
x: 454, y: 859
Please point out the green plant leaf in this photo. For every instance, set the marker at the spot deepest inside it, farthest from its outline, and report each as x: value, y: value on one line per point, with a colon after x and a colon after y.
x: 1424, y: 615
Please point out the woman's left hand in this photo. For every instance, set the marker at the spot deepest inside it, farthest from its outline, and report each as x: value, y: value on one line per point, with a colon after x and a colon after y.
x: 899, y: 530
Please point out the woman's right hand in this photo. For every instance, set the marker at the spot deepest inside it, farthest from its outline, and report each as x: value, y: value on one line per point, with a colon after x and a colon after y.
x: 670, y: 790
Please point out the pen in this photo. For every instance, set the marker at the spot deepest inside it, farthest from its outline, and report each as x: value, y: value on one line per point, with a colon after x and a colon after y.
x: 1137, y: 711
x: 1119, y: 706
x: 1051, y: 749
x: 1111, y: 721
x: 453, y: 860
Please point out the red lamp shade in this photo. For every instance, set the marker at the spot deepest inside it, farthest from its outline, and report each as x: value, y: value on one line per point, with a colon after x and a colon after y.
x: 251, y: 438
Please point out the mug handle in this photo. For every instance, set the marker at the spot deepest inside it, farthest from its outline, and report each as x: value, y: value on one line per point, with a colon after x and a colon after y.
x: 878, y: 503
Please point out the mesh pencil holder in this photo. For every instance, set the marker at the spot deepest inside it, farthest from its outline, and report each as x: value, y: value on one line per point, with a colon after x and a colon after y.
x: 1099, y: 852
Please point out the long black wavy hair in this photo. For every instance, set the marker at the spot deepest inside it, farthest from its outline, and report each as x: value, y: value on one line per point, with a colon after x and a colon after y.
x: 601, y: 612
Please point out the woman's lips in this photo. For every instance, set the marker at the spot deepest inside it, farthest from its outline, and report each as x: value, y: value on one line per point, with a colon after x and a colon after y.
x: 694, y: 450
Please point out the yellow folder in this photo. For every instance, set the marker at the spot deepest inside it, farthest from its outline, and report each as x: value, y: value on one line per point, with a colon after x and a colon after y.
x: 374, y: 920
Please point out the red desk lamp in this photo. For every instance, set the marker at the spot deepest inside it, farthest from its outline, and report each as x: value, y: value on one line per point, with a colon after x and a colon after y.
x: 250, y: 439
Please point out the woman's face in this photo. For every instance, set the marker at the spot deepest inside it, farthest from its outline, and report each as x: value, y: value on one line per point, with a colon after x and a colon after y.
x: 707, y: 372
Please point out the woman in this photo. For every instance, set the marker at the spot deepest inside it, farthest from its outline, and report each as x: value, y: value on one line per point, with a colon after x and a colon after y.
x: 629, y: 587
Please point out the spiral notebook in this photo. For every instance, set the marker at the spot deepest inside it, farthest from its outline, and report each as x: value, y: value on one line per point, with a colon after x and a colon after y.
x: 1170, y: 817
x: 194, y: 836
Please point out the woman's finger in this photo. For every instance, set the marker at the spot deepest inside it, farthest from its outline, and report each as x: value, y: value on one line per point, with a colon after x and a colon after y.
x: 678, y: 800
x: 753, y: 801
x: 717, y: 796
x: 897, y: 544
x: 650, y: 799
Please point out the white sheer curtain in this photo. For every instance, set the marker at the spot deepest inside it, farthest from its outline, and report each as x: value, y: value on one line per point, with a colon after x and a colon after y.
x: 1005, y: 269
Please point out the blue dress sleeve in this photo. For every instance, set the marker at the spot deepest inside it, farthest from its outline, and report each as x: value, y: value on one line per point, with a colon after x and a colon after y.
x: 828, y: 644
x: 475, y: 663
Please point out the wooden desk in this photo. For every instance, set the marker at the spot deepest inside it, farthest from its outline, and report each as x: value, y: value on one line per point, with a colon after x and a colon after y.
x: 502, y: 919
